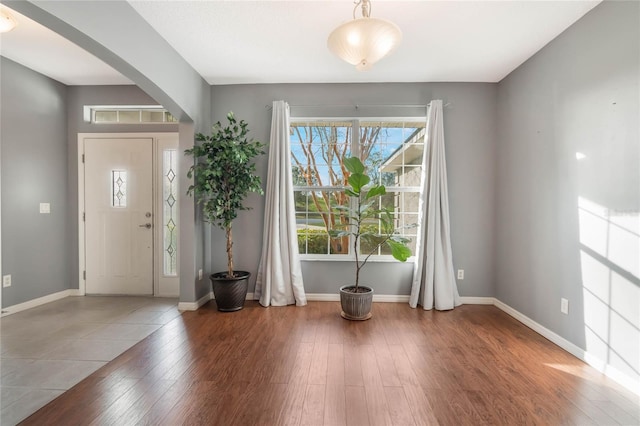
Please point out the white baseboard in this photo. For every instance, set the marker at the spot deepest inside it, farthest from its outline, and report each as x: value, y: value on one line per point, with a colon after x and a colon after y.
x: 608, y: 370
x: 543, y: 331
x: 335, y: 297
x: 323, y: 297
x: 39, y: 301
x: 478, y: 300
x: 193, y: 306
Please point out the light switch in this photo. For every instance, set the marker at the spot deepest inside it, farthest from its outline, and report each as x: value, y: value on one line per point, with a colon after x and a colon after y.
x: 45, y: 208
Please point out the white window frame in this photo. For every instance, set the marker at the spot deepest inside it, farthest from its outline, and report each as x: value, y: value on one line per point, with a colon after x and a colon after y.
x: 90, y: 111
x: 355, y: 150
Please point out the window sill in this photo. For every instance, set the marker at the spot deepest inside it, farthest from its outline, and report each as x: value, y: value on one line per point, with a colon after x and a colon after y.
x: 386, y: 259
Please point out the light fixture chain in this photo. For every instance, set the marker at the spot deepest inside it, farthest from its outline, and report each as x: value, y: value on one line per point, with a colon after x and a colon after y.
x: 366, y: 8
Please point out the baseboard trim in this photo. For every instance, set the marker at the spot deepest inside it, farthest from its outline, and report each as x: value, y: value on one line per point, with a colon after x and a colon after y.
x: 477, y: 300
x: 323, y: 297
x: 378, y: 298
x: 540, y: 329
x: 39, y: 301
x: 193, y: 306
x: 595, y: 362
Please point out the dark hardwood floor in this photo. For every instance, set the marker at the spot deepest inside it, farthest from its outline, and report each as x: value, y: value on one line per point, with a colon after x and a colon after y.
x: 308, y: 366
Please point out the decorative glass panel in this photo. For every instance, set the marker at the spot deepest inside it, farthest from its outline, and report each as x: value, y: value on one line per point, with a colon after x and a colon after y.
x: 119, y: 188
x: 170, y: 212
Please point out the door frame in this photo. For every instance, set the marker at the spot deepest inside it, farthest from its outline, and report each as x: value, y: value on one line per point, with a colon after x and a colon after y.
x: 158, y: 138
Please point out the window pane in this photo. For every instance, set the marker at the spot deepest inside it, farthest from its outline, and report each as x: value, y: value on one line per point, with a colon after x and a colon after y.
x: 170, y: 212
x: 118, y: 188
x: 314, y: 218
x: 129, y: 116
x: 152, y: 116
x: 403, y: 208
x: 106, y: 117
x: 386, y: 147
x: 317, y: 151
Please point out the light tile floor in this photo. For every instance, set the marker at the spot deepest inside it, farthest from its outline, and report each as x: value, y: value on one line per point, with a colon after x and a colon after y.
x: 46, y: 350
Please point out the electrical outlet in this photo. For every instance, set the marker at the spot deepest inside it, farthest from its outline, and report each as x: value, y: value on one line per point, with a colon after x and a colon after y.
x: 199, y: 274
x: 564, y: 306
x: 461, y: 274
x: 45, y: 208
x: 6, y: 281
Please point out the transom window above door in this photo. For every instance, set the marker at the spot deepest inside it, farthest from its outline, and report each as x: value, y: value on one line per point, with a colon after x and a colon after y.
x: 149, y: 114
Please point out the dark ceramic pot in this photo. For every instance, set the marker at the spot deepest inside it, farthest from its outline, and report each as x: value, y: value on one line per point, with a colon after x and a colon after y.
x: 230, y: 293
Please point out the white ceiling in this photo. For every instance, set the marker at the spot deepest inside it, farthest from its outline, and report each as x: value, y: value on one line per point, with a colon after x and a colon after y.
x: 42, y: 50
x: 237, y: 41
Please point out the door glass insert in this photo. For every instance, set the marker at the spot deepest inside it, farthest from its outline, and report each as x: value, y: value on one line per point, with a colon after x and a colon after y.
x: 119, y: 188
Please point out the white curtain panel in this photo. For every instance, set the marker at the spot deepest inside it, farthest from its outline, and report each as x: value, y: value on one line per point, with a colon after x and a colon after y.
x: 279, y: 278
x: 434, y: 283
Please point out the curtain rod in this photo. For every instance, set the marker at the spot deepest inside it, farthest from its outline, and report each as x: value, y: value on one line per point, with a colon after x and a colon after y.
x: 355, y: 106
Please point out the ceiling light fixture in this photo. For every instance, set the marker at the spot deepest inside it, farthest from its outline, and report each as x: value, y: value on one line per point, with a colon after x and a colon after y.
x: 7, y: 22
x: 364, y: 41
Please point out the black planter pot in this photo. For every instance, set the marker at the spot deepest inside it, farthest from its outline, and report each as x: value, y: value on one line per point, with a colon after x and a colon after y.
x: 230, y: 293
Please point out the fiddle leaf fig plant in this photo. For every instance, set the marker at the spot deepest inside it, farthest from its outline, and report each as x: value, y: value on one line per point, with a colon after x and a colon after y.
x: 224, y: 173
x: 364, y: 210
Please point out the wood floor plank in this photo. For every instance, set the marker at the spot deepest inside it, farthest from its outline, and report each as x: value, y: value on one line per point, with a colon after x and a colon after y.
x: 319, y: 360
x: 335, y: 409
x: 386, y: 366
x: 419, y: 405
x: 293, y: 403
x: 134, y: 403
x: 313, y: 408
x: 291, y: 365
x: 374, y: 388
x: 353, y: 365
x: 302, y: 364
x: 356, y: 406
x: 399, y: 411
x: 335, y: 364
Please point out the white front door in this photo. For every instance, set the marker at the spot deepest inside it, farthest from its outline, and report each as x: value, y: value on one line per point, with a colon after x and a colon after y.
x: 118, y: 215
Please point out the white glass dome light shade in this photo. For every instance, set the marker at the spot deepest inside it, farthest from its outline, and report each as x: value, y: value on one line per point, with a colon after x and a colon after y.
x: 364, y: 41
x: 7, y: 22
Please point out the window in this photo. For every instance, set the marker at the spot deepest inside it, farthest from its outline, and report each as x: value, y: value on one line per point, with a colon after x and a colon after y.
x: 390, y: 149
x: 128, y: 115
x: 170, y: 212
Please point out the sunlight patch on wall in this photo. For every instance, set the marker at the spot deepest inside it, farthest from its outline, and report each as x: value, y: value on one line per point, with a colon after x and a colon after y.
x: 610, y: 262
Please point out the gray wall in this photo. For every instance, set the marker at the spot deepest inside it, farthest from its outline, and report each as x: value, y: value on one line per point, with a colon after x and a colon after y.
x: 568, y: 228
x: 77, y: 98
x: 470, y: 149
x: 34, y: 170
x: 131, y: 46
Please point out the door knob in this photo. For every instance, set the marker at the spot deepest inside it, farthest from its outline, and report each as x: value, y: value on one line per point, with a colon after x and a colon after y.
x: 146, y: 225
